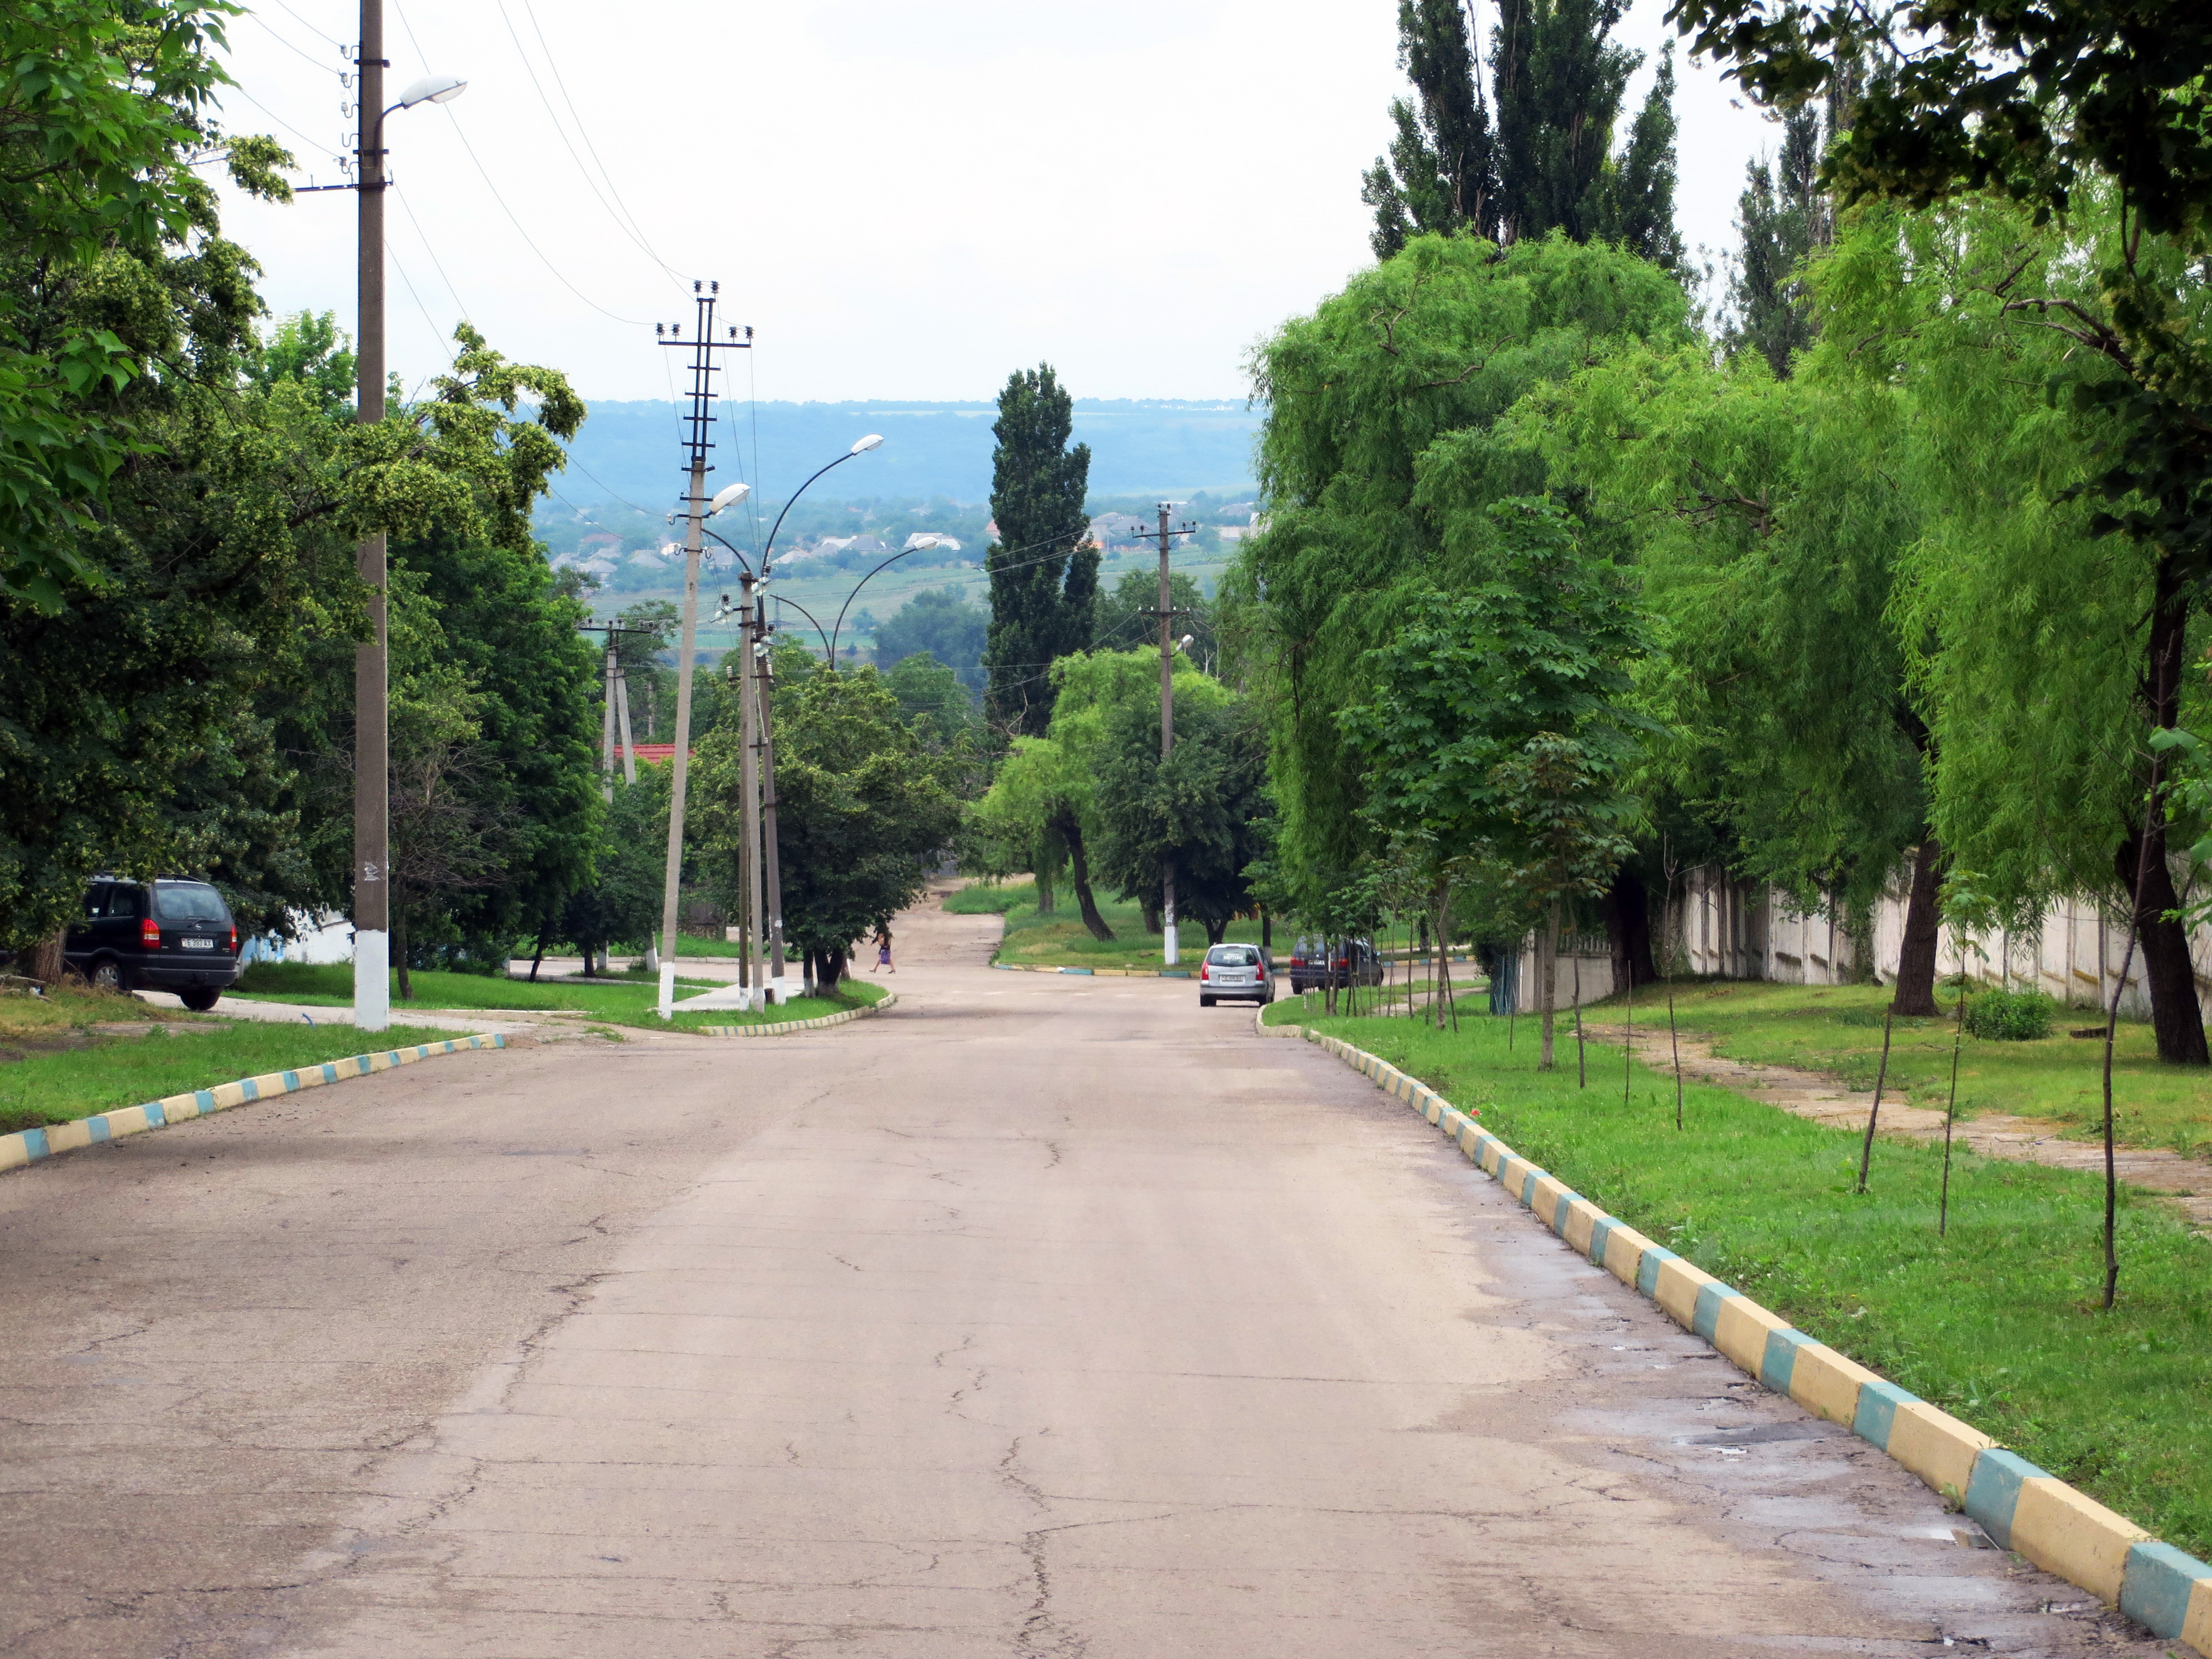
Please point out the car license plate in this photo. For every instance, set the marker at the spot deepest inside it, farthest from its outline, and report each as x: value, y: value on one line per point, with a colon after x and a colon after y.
x: 198, y: 943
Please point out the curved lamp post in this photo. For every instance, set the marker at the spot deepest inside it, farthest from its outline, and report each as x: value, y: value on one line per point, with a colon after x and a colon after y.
x: 371, y: 779
x: 920, y: 545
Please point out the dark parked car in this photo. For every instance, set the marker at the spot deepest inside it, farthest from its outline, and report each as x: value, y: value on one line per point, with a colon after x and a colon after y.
x: 160, y: 935
x: 1233, y: 972
x: 1318, y: 963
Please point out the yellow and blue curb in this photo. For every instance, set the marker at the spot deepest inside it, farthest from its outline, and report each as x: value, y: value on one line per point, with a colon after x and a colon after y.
x: 2022, y: 1508
x: 1088, y: 972
x: 819, y: 1023
x: 29, y: 1146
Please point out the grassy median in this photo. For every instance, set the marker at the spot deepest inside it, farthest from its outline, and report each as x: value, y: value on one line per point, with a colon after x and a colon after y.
x: 1061, y: 939
x: 331, y: 985
x: 1997, y: 1322
x: 60, y: 1086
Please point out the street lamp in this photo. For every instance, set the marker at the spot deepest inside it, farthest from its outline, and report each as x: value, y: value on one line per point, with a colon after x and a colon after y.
x: 918, y: 545
x: 372, y: 783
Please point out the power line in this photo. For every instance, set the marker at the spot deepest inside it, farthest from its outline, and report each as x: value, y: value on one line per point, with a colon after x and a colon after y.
x: 336, y: 155
x: 552, y: 115
x: 549, y: 264
x: 430, y: 248
x: 297, y: 51
x: 310, y: 28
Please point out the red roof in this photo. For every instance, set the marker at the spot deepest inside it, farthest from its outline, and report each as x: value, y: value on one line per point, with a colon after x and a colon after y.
x: 650, y: 753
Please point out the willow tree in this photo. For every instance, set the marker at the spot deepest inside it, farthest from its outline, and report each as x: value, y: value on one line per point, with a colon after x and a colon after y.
x: 1767, y: 530
x: 1380, y: 458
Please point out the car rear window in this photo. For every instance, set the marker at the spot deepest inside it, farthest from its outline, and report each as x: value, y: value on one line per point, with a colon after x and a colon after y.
x: 1233, y: 956
x: 189, y: 901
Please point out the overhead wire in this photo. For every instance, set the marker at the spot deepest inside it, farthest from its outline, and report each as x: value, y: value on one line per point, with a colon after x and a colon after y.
x: 552, y: 115
x: 299, y: 51
x: 585, y: 132
x: 335, y: 153
x: 310, y: 28
x: 430, y: 248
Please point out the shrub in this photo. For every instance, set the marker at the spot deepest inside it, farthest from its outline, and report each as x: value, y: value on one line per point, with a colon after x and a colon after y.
x: 2009, y: 1016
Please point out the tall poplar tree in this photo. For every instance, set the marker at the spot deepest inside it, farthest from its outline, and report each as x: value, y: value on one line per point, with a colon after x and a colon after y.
x: 1545, y: 160
x: 1044, y: 566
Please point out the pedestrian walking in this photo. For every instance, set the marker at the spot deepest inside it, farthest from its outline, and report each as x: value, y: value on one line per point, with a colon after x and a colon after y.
x: 883, y: 950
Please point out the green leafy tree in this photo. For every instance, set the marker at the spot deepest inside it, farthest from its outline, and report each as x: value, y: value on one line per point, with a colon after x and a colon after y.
x: 1546, y: 162
x: 1044, y: 566
x: 1381, y: 457
x: 104, y: 111
x: 1042, y: 807
x: 1441, y: 173
x: 938, y: 621
x: 1128, y: 614
x: 1199, y: 812
x: 620, y: 904
x: 934, y: 702
x: 2041, y: 106
x: 864, y: 809
x: 1497, y: 676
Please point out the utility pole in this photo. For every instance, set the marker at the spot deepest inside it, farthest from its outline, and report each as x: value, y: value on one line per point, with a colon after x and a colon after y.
x: 748, y: 771
x: 696, y: 505
x: 772, y: 865
x: 614, y: 718
x: 372, y: 751
x: 1167, y: 615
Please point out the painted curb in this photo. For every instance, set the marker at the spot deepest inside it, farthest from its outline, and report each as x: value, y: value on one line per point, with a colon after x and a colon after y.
x: 782, y: 1027
x: 2021, y: 1507
x: 29, y: 1146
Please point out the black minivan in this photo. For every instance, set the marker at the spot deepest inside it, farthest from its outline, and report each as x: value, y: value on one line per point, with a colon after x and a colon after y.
x: 165, y: 935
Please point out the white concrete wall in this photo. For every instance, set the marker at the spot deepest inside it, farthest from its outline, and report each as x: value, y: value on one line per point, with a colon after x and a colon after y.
x: 1723, y: 928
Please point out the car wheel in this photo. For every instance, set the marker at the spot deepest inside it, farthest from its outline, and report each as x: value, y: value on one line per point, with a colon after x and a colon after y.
x: 108, y: 976
x: 199, y: 1001
x: 1206, y: 1002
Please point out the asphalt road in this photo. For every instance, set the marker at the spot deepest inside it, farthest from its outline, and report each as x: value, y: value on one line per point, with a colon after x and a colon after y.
x: 1040, y: 1316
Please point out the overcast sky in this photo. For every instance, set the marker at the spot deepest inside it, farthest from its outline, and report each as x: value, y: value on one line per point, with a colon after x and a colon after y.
x: 904, y: 201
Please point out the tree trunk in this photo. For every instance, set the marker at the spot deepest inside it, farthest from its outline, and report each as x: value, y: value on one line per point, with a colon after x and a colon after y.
x: 1215, y: 931
x: 1547, y: 953
x: 1628, y: 931
x: 1923, y: 925
x: 1149, y: 904
x: 2176, y: 1017
x: 45, y: 963
x: 1078, y: 872
x: 399, y: 952
x: 830, y: 969
x: 1043, y: 876
x: 1266, y: 930
x: 539, y: 957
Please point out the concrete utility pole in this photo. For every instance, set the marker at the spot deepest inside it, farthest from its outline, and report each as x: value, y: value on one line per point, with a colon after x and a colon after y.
x: 1167, y: 615
x: 772, y: 865
x: 748, y: 770
x: 372, y: 751
x: 614, y: 717
x: 607, y: 726
x: 696, y: 505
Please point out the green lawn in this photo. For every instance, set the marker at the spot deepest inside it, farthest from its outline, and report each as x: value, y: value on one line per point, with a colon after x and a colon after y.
x: 68, y: 1008
x: 984, y: 899
x: 1061, y: 940
x: 125, y: 1071
x: 332, y: 986
x: 1837, y: 1029
x: 1998, y: 1322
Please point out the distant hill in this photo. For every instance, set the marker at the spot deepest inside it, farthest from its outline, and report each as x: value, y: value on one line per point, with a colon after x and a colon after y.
x: 633, y: 452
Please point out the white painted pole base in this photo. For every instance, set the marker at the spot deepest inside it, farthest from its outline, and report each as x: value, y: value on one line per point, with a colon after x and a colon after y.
x: 667, y: 1009
x: 652, y: 959
x: 779, y: 990
x: 1169, y: 950
x: 372, y: 981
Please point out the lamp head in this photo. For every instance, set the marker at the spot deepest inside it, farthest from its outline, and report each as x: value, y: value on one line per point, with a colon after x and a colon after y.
x: 729, y: 498
x: 921, y: 542
x: 1183, y: 644
x: 873, y: 441
x: 432, y: 89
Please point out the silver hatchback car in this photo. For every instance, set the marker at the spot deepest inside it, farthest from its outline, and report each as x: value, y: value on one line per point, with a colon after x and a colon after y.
x: 1236, y: 971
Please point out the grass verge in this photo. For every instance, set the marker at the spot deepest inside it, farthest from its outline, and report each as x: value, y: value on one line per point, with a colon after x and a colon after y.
x: 332, y: 986
x: 66, y: 1010
x: 1998, y: 1322
x: 1061, y: 940
x: 982, y: 899
x: 129, y: 1071
x: 1837, y: 1029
